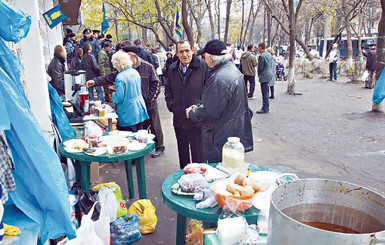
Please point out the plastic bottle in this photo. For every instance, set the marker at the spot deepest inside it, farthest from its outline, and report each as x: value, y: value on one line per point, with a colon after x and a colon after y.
x: 233, y: 153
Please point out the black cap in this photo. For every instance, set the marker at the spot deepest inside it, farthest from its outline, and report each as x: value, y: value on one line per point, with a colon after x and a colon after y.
x: 95, y: 31
x: 109, y: 36
x: 133, y: 49
x: 87, y: 30
x: 214, y: 47
x: 72, y: 34
x: 372, y: 44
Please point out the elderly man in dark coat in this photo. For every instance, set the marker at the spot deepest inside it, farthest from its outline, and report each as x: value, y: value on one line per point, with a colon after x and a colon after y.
x: 223, y: 110
x: 371, y: 65
x: 265, y: 76
x: 185, y: 81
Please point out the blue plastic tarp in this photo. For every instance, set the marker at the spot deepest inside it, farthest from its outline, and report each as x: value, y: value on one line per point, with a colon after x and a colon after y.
x: 379, y: 89
x: 59, y: 118
x: 5, y: 123
x: 41, y: 189
x: 14, y: 23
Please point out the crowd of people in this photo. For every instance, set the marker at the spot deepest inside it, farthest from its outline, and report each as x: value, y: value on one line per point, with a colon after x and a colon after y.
x: 206, y: 90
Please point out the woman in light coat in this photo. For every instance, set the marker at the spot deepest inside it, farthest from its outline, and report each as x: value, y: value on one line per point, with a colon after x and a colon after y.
x: 130, y: 105
x: 273, y: 71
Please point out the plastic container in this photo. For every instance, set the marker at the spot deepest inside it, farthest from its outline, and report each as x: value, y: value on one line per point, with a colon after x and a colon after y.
x: 233, y: 153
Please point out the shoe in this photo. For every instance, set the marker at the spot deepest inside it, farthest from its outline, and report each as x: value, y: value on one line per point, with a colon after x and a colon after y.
x: 334, y: 81
x: 252, y: 98
x: 365, y: 87
x: 157, y: 153
x: 262, y: 112
x: 329, y: 80
x: 271, y: 97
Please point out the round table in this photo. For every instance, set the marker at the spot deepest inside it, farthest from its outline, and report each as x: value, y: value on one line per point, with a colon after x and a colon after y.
x: 82, y: 166
x: 185, y: 206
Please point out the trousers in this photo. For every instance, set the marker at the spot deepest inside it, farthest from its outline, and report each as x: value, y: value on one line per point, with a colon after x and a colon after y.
x: 265, y: 96
x: 251, y: 80
x: 333, y: 71
x: 156, y: 128
x: 189, y: 141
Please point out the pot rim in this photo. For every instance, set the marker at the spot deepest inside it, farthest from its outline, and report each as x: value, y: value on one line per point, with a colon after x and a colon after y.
x: 371, y: 234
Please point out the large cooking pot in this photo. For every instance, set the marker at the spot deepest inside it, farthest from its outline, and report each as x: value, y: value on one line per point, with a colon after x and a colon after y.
x: 334, y: 205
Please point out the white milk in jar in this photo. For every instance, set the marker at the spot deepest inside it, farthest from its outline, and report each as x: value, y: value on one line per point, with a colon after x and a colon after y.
x: 233, y: 153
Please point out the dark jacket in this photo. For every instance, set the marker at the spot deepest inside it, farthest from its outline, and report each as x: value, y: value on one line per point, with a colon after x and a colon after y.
x: 145, y: 55
x: 180, y: 94
x: 150, y: 83
x: 371, y: 60
x: 56, y: 70
x: 90, y: 65
x: 93, y: 42
x: 223, y: 111
x: 76, y: 63
x: 264, y: 67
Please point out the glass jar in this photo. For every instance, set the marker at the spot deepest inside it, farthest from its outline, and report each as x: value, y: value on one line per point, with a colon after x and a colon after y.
x: 92, y: 141
x: 80, y: 133
x: 233, y: 153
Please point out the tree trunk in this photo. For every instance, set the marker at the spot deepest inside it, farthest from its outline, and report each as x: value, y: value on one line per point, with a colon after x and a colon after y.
x: 268, y: 16
x: 228, y: 8
x: 326, y: 34
x: 380, y: 51
x: 292, y: 27
x: 144, y: 35
x: 247, y: 24
x: 186, y: 26
x: 242, y: 21
x: 211, y: 18
x: 219, y: 19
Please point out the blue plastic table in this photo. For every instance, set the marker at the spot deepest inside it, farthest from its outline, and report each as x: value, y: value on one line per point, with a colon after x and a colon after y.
x: 184, y: 206
x: 82, y: 166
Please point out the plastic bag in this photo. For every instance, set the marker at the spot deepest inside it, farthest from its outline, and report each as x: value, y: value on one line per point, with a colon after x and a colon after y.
x: 73, y: 201
x: 91, y: 128
x: 122, y: 209
x: 379, y: 89
x: 365, y: 76
x: 232, y: 228
x: 93, y: 232
x: 192, y: 182
x: 125, y: 230
x: 146, y: 212
x: 108, y: 202
x: 85, y: 203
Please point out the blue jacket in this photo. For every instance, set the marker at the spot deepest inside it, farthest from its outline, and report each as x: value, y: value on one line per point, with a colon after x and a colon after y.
x: 130, y: 105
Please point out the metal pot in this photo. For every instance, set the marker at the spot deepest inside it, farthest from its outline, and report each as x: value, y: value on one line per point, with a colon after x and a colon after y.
x: 325, y: 201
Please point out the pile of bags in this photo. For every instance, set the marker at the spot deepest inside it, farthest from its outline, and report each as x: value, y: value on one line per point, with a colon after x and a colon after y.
x: 106, y: 219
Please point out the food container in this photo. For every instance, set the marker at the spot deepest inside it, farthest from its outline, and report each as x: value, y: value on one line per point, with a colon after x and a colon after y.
x: 142, y: 136
x: 232, y: 203
x: 296, y: 207
x: 233, y: 153
x: 80, y: 132
x: 116, y: 145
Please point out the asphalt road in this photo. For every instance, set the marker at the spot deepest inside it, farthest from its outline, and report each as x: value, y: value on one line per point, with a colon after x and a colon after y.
x: 327, y: 132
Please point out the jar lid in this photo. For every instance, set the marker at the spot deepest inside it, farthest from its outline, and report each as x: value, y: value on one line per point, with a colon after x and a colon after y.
x: 233, y: 139
x: 80, y: 128
x: 92, y: 137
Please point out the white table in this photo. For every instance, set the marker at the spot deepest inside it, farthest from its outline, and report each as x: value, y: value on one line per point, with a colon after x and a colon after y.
x: 108, y: 116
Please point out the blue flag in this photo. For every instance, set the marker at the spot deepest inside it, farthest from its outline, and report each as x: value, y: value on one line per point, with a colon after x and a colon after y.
x: 105, y: 24
x: 178, y: 28
x: 54, y: 16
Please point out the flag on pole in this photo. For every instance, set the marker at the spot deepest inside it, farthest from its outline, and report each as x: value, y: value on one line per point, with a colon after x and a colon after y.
x: 178, y: 28
x: 105, y: 24
x: 54, y: 16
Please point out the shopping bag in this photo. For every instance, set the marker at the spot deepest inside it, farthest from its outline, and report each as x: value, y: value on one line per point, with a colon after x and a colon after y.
x: 125, y: 230
x: 379, y: 89
x: 108, y: 202
x: 365, y: 76
x: 93, y: 232
x: 146, y: 212
x: 122, y: 210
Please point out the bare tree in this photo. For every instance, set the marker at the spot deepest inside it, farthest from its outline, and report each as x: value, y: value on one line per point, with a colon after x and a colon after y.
x: 186, y: 26
x: 211, y: 18
x: 228, y: 9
